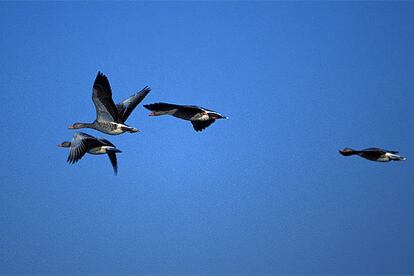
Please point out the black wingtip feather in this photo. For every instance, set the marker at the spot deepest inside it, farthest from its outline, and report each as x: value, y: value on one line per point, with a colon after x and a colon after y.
x: 114, y: 162
x: 146, y: 88
x: 161, y: 106
x: 101, y: 79
x: 148, y: 106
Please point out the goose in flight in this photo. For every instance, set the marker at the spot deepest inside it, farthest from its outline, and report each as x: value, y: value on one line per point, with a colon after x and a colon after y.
x: 110, y: 118
x: 199, y: 117
x: 374, y: 154
x: 83, y: 143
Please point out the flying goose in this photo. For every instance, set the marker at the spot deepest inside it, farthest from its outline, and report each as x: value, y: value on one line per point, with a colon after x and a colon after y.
x: 200, y: 117
x: 374, y: 154
x: 84, y: 143
x: 110, y: 118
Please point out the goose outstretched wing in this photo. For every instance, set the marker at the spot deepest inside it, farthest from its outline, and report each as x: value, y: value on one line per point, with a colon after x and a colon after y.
x: 80, y: 145
x: 200, y: 125
x: 125, y: 107
x: 185, y: 112
x: 112, y: 158
x: 102, y: 98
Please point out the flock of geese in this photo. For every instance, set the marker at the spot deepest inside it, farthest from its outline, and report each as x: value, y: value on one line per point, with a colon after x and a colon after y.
x: 111, y: 118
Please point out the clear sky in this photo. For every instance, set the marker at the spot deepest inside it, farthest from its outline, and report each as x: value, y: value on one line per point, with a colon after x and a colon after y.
x: 263, y: 192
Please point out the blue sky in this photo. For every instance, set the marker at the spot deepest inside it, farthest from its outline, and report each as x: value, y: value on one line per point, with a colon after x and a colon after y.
x: 264, y: 192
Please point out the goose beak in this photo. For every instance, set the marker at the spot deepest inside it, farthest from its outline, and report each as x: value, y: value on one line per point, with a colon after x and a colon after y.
x: 152, y: 114
x: 60, y: 145
x: 71, y: 127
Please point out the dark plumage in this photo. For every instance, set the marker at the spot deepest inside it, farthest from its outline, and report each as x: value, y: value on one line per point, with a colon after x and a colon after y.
x: 199, y: 117
x: 111, y: 118
x: 374, y: 154
x: 83, y: 143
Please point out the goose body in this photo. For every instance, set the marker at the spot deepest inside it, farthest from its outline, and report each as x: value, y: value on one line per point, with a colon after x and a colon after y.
x: 110, y: 118
x: 374, y: 154
x: 199, y: 117
x: 83, y: 143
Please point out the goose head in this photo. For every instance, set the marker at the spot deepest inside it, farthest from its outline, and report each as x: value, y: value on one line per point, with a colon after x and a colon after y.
x: 65, y: 144
x: 347, y: 152
x: 77, y: 125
